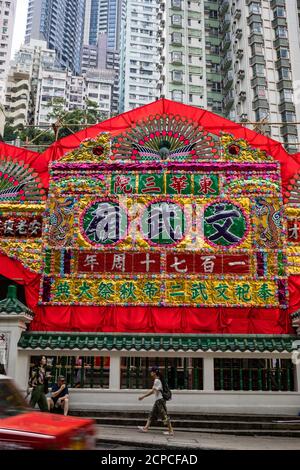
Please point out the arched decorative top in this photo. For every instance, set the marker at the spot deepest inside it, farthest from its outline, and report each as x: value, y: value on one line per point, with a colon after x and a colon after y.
x: 165, y: 137
x: 19, y: 182
x: 90, y: 150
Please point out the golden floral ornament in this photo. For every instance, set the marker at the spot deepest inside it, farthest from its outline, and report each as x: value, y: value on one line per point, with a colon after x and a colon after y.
x: 239, y: 150
x: 29, y: 253
x: 90, y: 150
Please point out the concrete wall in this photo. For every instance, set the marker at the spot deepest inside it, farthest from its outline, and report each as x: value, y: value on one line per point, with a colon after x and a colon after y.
x: 207, y: 400
x: 273, y: 403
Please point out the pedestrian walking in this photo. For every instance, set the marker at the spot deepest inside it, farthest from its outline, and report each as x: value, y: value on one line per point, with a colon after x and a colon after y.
x: 159, y: 409
x: 39, y: 384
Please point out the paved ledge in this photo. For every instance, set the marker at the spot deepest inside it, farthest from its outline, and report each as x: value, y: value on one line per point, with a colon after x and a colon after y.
x: 154, y: 439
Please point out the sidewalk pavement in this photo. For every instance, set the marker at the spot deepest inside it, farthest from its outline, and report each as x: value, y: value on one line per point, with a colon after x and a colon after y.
x: 155, y: 439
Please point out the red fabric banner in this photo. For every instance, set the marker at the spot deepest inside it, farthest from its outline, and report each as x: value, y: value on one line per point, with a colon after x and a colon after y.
x: 151, y: 319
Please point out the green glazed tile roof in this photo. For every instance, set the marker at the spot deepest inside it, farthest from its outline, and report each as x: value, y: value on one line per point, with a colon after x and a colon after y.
x: 11, y: 305
x: 155, y: 342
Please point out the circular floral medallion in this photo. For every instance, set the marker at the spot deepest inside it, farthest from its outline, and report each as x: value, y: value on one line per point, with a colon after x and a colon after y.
x: 225, y: 224
x: 163, y: 223
x: 104, y: 222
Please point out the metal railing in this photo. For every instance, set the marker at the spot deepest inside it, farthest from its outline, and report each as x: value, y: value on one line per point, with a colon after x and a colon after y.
x: 79, y: 372
x: 239, y: 375
x: 180, y: 373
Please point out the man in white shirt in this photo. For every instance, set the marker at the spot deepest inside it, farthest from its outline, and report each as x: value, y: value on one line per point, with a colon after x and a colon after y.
x: 159, y: 409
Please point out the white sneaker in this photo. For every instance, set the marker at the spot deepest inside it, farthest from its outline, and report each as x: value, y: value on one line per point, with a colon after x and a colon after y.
x: 141, y: 429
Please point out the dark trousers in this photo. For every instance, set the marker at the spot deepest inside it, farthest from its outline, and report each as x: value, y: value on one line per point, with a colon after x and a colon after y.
x: 38, y: 397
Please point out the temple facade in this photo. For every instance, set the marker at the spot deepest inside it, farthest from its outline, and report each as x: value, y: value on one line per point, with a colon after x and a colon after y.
x: 167, y: 236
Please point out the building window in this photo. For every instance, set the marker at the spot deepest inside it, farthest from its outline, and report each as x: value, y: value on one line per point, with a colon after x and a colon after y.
x: 256, y: 28
x: 255, y: 8
x: 176, y: 4
x: 257, y: 49
x: 176, y: 38
x: 283, y: 53
x: 177, y: 57
x: 216, y: 87
x: 260, y: 91
x: 177, y: 76
x: 287, y: 95
x: 284, y: 73
x: 259, y: 70
x: 281, y: 32
x: 176, y: 20
x: 190, y: 98
x: 261, y: 114
x: 288, y: 116
x: 177, y: 95
x: 279, y: 12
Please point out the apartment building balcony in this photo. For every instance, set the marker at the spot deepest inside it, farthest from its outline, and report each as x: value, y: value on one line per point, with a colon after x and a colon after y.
x: 254, y: 18
x: 286, y: 106
x: 224, y: 6
x: 258, y: 81
x: 257, y: 59
x: 228, y: 100
x: 277, y: 3
x: 283, y: 63
x: 226, y: 62
x: 281, y: 42
x: 255, y: 38
x: 225, y: 23
x: 289, y: 128
x: 226, y: 42
x: 279, y: 22
x: 228, y: 80
x: 260, y: 103
x: 285, y: 84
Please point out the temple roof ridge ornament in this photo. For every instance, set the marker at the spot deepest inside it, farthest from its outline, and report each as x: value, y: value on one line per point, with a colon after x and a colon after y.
x: 12, y: 306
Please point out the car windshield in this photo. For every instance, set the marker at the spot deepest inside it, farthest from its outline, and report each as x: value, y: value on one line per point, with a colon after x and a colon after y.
x: 11, y: 401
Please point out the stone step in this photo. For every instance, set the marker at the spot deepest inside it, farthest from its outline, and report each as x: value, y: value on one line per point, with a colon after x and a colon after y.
x: 202, y: 424
x: 189, y: 416
x: 233, y: 432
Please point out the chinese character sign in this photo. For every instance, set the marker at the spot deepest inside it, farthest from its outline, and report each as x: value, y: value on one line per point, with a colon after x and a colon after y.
x: 197, y: 234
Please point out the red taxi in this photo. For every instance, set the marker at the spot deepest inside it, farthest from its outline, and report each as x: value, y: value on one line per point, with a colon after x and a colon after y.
x: 23, y: 428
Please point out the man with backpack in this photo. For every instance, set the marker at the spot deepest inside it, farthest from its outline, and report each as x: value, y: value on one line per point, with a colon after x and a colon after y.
x: 159, y: 410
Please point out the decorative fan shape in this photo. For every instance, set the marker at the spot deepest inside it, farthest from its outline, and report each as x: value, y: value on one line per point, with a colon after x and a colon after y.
x: 165, y: 137
x: 19, y: 182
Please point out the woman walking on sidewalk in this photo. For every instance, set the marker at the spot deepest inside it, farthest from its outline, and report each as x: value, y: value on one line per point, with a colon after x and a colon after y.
x: 159, y: 409
x: 39, y: 383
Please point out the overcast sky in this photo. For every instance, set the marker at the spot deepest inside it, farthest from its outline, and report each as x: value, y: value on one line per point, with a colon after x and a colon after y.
x: 20, y: 24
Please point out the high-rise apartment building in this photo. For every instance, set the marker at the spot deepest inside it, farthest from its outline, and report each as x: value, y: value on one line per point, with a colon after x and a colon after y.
x: 35, y: 84
x: 60, y: 23
x: 139, y: 54
x: 189, y: 53
x: 238, y: 58
x: 260, y: 64
x: 102, y: 34
x: 103, y: 16
x: 7, y: 19
x: 22, y: 81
